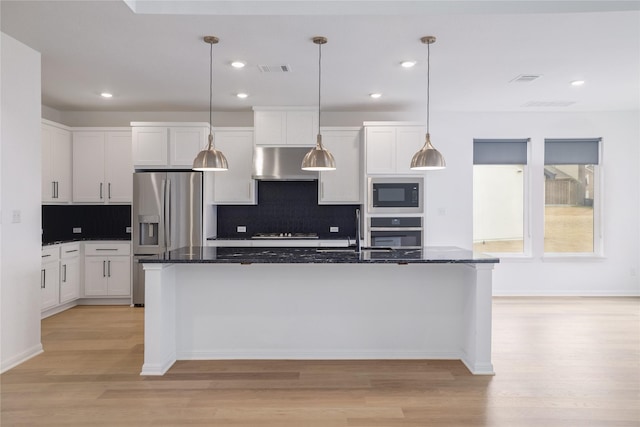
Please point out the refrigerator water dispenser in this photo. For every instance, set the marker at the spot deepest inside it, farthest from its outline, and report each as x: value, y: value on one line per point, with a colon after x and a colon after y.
x: 148, y: 227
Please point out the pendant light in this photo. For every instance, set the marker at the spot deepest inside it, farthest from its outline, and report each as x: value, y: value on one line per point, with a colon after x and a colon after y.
x: 428, y: 158
x: 210, y: 159
x: 319, y: 158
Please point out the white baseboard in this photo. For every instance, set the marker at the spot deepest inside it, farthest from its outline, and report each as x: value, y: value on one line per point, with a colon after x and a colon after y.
x: 16, y: 360
x: 317, y: 354
x: 564, y: 293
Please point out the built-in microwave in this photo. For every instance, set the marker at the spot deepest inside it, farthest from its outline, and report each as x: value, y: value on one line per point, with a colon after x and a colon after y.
x: 395, y: 195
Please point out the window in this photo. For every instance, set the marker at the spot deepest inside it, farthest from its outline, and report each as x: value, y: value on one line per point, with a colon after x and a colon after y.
x: 571, y: 195
x: 499, y: 202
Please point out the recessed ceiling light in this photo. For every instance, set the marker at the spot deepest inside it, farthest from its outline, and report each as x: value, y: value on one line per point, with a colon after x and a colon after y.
x: 577, y: 83
x: 238, y: 64
x: 375, y: 95
x: 106, y: 95
x: 408, y: 64
x: 242, y: 95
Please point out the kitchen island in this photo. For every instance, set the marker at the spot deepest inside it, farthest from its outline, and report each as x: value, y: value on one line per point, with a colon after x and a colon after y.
x: 318, y: 303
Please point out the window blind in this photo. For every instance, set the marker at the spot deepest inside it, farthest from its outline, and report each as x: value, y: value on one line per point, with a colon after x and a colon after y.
x: 576, y: 151
x: 500, y: 151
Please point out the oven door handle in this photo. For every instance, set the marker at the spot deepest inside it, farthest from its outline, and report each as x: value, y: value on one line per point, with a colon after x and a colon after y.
x: 395, y: 228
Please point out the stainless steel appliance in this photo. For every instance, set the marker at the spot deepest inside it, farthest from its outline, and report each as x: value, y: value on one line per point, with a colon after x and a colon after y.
x: 167, y: 214
x: 285, y: 236
x: 281, y: 164
x: 395, y: 195
x: 406, y: 232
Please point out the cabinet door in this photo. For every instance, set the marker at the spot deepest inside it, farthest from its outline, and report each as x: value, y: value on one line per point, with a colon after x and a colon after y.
x: 409, y: 139
x: 380, y: 149
x: 119, y: 276
x: 50, y: 284
x: 88, y: 167
x: 69, y: 279
x: 150, y: 146
x: 95, y: 276
x: 48, y: 183
x: 56, y: 164
x: 235, y: 186
x: 185, y: 143
x: 343, y: 184
x: 118, y: 167
x: 302, y: 128
x: 270, y: 127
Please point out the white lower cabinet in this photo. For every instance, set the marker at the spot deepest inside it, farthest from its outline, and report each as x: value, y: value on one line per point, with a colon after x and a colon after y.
x: 50, y: 277
x: 107, y: 270
x: 69, y: 272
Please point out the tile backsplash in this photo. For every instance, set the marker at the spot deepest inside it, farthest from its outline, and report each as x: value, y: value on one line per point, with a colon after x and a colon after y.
x: 287, y: 206
x: 92, y: 221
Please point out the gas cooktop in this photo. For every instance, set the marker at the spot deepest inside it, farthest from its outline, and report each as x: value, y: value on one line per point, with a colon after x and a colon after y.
x: 285, y: 236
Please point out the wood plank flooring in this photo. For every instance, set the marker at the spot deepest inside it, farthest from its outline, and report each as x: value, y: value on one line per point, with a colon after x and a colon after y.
x: 559, y: 362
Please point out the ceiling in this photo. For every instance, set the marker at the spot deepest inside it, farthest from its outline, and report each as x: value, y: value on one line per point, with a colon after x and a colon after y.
x: 156, y: 60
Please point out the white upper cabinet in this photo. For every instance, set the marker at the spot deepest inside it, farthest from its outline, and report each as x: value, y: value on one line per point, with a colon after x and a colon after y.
x: 292, y: 126
x: 167, y: 145
x: 56, y: 164
x: 235, y: 186
x: 342, y: 186
x: 389, y: 148
x: 102, y: 168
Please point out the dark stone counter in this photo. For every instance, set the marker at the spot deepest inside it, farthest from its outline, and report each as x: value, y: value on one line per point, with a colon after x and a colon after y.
x: 306, y: 255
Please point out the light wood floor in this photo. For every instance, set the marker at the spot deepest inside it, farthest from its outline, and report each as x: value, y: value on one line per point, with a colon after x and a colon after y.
x: 559, y: 362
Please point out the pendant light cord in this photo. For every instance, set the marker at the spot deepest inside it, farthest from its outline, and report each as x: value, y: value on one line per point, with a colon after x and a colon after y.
x: 319, y: 81
x: 210, y: 89
x: 428, y: 72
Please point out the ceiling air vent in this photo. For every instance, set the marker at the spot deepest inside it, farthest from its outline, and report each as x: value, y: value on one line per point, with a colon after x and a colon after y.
x: 274, y: 68
x: 525, y: 78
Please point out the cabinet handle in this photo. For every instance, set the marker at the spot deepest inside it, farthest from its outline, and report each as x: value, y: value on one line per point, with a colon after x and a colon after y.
x: 106, y: 249
x: 101, y: 191
x: 69, y: 251
x: 56, y: 186
x: 43, y: 278
x: 53, y: 189
x: 109, y: 190
x: 104, y: 268
x: 64, y: 273
x: 109, y: 268
x: 44, y: 256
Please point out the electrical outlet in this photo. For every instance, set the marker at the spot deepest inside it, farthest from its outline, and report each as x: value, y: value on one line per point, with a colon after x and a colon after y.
x: 16, y: 216
x: 241, y: 229
x: 127, y: 230
x: 77, y: 230
x: 442, y: 211
x: 334, y: 229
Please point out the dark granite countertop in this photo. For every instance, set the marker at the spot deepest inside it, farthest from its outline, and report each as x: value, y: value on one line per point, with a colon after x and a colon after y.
x: 305, y: 255
x: 80, y: 239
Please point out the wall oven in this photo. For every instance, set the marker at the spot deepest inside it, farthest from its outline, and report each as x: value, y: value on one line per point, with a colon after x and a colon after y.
x: 395, y: 195
x: 405, y: 232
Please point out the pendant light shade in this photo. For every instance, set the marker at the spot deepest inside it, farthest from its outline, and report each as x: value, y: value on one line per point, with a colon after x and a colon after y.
x: 210, y: 159
x: 428, y: 158
x: 319, y: 158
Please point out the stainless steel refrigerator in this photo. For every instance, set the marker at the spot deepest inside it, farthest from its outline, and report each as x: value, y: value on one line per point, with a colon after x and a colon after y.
x: 167, y: 215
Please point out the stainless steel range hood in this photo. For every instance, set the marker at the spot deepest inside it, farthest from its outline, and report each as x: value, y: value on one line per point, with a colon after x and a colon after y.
x: 281, y: 163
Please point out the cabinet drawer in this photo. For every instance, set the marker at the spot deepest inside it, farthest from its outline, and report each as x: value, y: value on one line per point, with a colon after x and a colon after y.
x: 71, y: 250
x: 107, y: 249
x: 50, y: 253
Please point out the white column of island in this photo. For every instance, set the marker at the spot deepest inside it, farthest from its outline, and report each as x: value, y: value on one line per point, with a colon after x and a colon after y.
x: 300, y: 303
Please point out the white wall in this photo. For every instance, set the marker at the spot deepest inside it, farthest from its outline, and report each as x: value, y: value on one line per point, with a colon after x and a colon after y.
x: 20, y: 171
x: 451, y: 192
x: 449, y: 207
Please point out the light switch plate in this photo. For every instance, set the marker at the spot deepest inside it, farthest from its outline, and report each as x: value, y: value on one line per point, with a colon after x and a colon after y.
x: 241, y: 229
x: 127, y: 230
x: 77, y: 230
x: 334, y: 229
